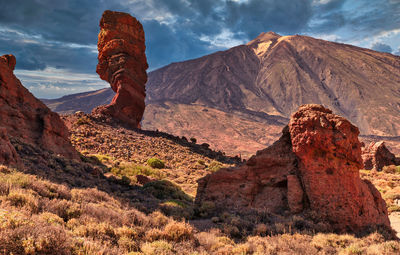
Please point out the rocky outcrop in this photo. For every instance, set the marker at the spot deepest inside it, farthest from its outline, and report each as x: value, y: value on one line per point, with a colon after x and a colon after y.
x: 376, y: 155
x: 24, y: 117
x: 122, y: 63
x: 314, y: 166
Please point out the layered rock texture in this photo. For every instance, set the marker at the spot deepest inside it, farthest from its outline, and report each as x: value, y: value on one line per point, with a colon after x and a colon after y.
x: 376, y: 155
x: 122, y: 63
x: 314, y: 166
x: 27, y: 119
x: 260, y: 84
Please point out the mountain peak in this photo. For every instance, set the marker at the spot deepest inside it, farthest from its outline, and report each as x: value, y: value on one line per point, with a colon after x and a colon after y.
x: 265, y: 37
x: 262, y: 43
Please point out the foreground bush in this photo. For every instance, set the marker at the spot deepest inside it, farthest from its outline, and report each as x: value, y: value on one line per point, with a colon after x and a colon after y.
x: 155, y: 163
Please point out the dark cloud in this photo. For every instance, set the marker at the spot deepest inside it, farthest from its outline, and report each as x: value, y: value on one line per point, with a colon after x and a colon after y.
x: 328, y: 17
x: 382, y: 47
x: 256, y: 16
x: 165, y: 45
x: 36, y: 55
x: 72, y: 21
x: 175, y: 29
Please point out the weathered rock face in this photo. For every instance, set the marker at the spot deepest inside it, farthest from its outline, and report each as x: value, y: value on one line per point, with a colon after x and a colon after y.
x: 8, y: 155
x: 24, y: 117
x: 313, y: 166
x: 122, y: 63
x: 376, y: 156
x: 251, y: 186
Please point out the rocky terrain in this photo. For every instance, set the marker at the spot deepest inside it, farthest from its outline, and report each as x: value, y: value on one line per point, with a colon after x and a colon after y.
x: 122, y: 62
x: 314, y: 165
x: 263, y: 82
x: 101, y: 205
x: 96, y: 184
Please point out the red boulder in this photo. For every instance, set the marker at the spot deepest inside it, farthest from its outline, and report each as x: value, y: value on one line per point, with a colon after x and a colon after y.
x: 376, y: 155
x: 314, y: 166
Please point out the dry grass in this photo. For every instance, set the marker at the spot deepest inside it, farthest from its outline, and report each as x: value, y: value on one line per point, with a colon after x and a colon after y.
x: 40, y: 217
x: 388, y: 184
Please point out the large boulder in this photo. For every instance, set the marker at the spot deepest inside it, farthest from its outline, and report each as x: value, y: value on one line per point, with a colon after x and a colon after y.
x: 24, y: 117
x: 314, y: 166
x: 122, y: 63
x: 376, y: 155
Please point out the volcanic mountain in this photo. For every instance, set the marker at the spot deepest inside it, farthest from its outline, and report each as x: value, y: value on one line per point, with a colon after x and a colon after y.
x: 238, y: 100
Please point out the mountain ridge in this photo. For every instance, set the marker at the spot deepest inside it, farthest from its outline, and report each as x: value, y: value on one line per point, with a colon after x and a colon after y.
x: 270, y: 77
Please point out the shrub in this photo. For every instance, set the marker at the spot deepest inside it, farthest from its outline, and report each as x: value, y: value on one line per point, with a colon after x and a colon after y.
x: 155, y: 163
x: 51, y: 218
x: 205, y: 145
x: 157, y: 247
x: 193, y: 140
x: 391, y: 169
x: 206, y: 208
x: 20, y: 198
x: 131, y: 170
x: 164, y: 189
x: 178, y: 231
x: 215, y: 166
x: 128, y: 244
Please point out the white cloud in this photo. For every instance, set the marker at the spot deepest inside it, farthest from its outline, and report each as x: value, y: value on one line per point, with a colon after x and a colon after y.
x: 53, y: 83
x: 223, y: 40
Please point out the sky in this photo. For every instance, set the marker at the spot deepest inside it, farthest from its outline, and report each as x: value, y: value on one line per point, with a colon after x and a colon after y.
x: 54, y: 41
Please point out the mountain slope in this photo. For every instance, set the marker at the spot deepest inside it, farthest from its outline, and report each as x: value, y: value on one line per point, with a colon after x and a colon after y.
x: 267, y: 79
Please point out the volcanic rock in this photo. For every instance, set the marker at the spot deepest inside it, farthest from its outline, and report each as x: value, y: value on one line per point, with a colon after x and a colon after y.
x: 122, y: 63
x: 8, y: 155
x: 24, y: 117
x: 376, y: 155
x: 314, y: 166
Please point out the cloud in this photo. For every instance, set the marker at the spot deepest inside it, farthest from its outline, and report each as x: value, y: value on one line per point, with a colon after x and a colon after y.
x: 63, y: 34
x: 37, y: 55
x: 382, y: 47
x: 54, y: 83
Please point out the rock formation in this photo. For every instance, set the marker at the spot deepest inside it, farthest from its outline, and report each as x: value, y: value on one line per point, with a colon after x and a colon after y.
x: 8, y: 155
x: 122, y: 63
x: 24, y: 117
x: 314, y: 166
x: 376, y: 155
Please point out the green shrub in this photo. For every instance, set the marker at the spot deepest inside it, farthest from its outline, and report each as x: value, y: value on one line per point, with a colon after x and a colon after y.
x: 155, y: 163
x: 164, y: 189
x: 215, y: 166
x: 131, y: 170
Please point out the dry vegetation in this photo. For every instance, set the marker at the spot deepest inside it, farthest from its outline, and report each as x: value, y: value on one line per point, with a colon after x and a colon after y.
x: 41, y: 217
x: 98, y: 206
x: 388, y: 183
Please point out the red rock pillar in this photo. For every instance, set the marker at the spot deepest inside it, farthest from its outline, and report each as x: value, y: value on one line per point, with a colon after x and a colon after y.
x: 122, y: 63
